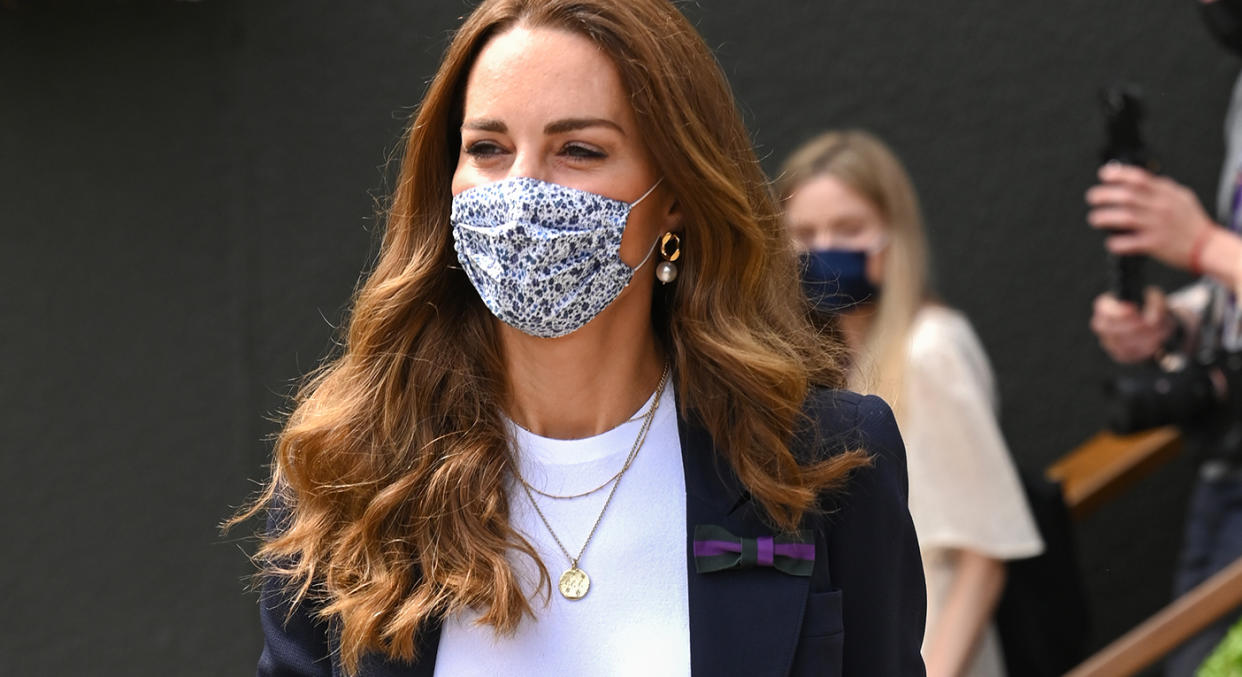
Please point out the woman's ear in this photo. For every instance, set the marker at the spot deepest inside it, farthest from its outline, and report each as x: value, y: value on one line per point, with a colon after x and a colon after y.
x: 875, y: 264
x: 673, y: 217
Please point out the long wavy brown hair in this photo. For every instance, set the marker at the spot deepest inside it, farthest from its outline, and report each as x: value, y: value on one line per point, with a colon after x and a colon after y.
x: 390, y: 477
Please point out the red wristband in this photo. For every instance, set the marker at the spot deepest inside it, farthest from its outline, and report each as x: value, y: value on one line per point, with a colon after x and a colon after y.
x: 1196, y: 250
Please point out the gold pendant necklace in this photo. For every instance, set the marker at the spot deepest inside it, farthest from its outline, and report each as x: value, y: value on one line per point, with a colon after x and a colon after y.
x: 574, y: 583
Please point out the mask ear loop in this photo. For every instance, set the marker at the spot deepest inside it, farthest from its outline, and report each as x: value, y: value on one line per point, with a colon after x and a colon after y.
x: 649, y: 192
x: 657, y: 240
x: 648, y: 256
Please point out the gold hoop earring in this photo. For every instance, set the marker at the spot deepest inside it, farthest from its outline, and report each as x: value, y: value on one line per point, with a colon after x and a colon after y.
x: 667, y: 270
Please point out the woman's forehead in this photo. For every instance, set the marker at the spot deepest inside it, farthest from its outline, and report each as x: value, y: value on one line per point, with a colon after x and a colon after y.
x: 545, y: 73
x: 830, y: 197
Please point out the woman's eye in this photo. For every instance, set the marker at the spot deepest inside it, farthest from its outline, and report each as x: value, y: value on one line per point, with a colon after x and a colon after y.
x: 579, y: 150
x: 849, y: 230
x: 804, y: 237
x: 483, y: 149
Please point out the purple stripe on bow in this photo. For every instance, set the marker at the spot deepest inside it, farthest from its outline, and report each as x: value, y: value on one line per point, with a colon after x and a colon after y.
x: 793, y: 550
x: 765, y: 548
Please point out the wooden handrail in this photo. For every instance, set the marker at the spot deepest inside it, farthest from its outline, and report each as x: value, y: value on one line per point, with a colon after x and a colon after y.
x: 1172, y: 625
x: 1096, y: 472
x: 1108, y: 464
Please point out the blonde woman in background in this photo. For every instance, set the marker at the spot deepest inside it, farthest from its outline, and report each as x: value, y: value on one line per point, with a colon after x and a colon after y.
x: 853, y: 212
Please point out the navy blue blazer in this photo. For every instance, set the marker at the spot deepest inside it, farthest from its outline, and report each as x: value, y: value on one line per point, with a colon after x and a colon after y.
x: 860, y: 613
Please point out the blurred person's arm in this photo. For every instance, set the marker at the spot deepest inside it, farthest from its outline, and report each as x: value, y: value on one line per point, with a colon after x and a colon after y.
x: 1221, y: 258
x: 1156, y: 216
x: 968, y: 608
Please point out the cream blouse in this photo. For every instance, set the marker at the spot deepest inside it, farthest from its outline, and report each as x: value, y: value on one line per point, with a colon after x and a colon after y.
x: 964, y: 489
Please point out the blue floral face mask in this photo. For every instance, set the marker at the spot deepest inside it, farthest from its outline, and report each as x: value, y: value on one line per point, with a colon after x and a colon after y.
x: 545, y: 258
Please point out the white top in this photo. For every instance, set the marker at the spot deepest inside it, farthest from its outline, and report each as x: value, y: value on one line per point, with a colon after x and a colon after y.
x: 1233, y: 154
x: 964, y: 490
x: 635, y: 620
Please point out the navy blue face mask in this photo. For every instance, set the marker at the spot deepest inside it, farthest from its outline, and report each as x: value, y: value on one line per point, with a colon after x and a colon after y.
x: 836, y: 279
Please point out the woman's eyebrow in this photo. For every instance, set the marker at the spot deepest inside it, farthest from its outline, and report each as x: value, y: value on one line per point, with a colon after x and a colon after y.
x: 557, y: 127
x: 485, y: 125
x: 574, y: 124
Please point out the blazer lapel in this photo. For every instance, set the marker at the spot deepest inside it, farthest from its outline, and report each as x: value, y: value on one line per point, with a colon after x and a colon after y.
x: 744, y: 622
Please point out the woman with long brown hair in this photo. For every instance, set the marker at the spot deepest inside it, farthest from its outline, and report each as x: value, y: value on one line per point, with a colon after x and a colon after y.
x: 852, y: 209
x: 579, y: 423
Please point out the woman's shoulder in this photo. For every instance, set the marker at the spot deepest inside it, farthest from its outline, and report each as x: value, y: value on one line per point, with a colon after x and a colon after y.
x: 837, y: 411
x: 936, y: 326
x: 842, y: 421
x: 943, y: 343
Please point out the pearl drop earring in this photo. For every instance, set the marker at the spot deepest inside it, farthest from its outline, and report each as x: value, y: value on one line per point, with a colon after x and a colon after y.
x: 666, y: 271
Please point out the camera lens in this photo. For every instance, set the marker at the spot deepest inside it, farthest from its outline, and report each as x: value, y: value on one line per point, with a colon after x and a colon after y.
x: 1150, y: 399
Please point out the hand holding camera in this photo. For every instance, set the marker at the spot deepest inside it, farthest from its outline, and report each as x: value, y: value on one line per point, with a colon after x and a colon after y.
x: 1149, y: 214
x: 1129, y: 334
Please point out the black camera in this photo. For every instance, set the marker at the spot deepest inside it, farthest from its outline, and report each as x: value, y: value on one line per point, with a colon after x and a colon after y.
x: 1184, y: 394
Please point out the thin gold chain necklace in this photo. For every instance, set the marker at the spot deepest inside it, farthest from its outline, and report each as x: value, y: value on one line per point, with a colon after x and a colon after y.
x: 564, y: 497
x: 575, y: 583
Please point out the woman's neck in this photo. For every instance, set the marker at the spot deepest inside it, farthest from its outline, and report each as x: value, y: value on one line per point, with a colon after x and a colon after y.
x: 587, y: 382
x: 855, y: 325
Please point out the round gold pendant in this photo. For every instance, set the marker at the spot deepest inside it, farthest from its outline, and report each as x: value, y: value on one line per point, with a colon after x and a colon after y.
x: 574, y: 583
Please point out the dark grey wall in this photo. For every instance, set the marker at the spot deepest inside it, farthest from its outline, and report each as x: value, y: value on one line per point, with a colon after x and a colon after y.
x: 187, y: 197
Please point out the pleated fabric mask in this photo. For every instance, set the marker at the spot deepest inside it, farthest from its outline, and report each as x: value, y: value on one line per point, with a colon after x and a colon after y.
x: 545, y: 258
